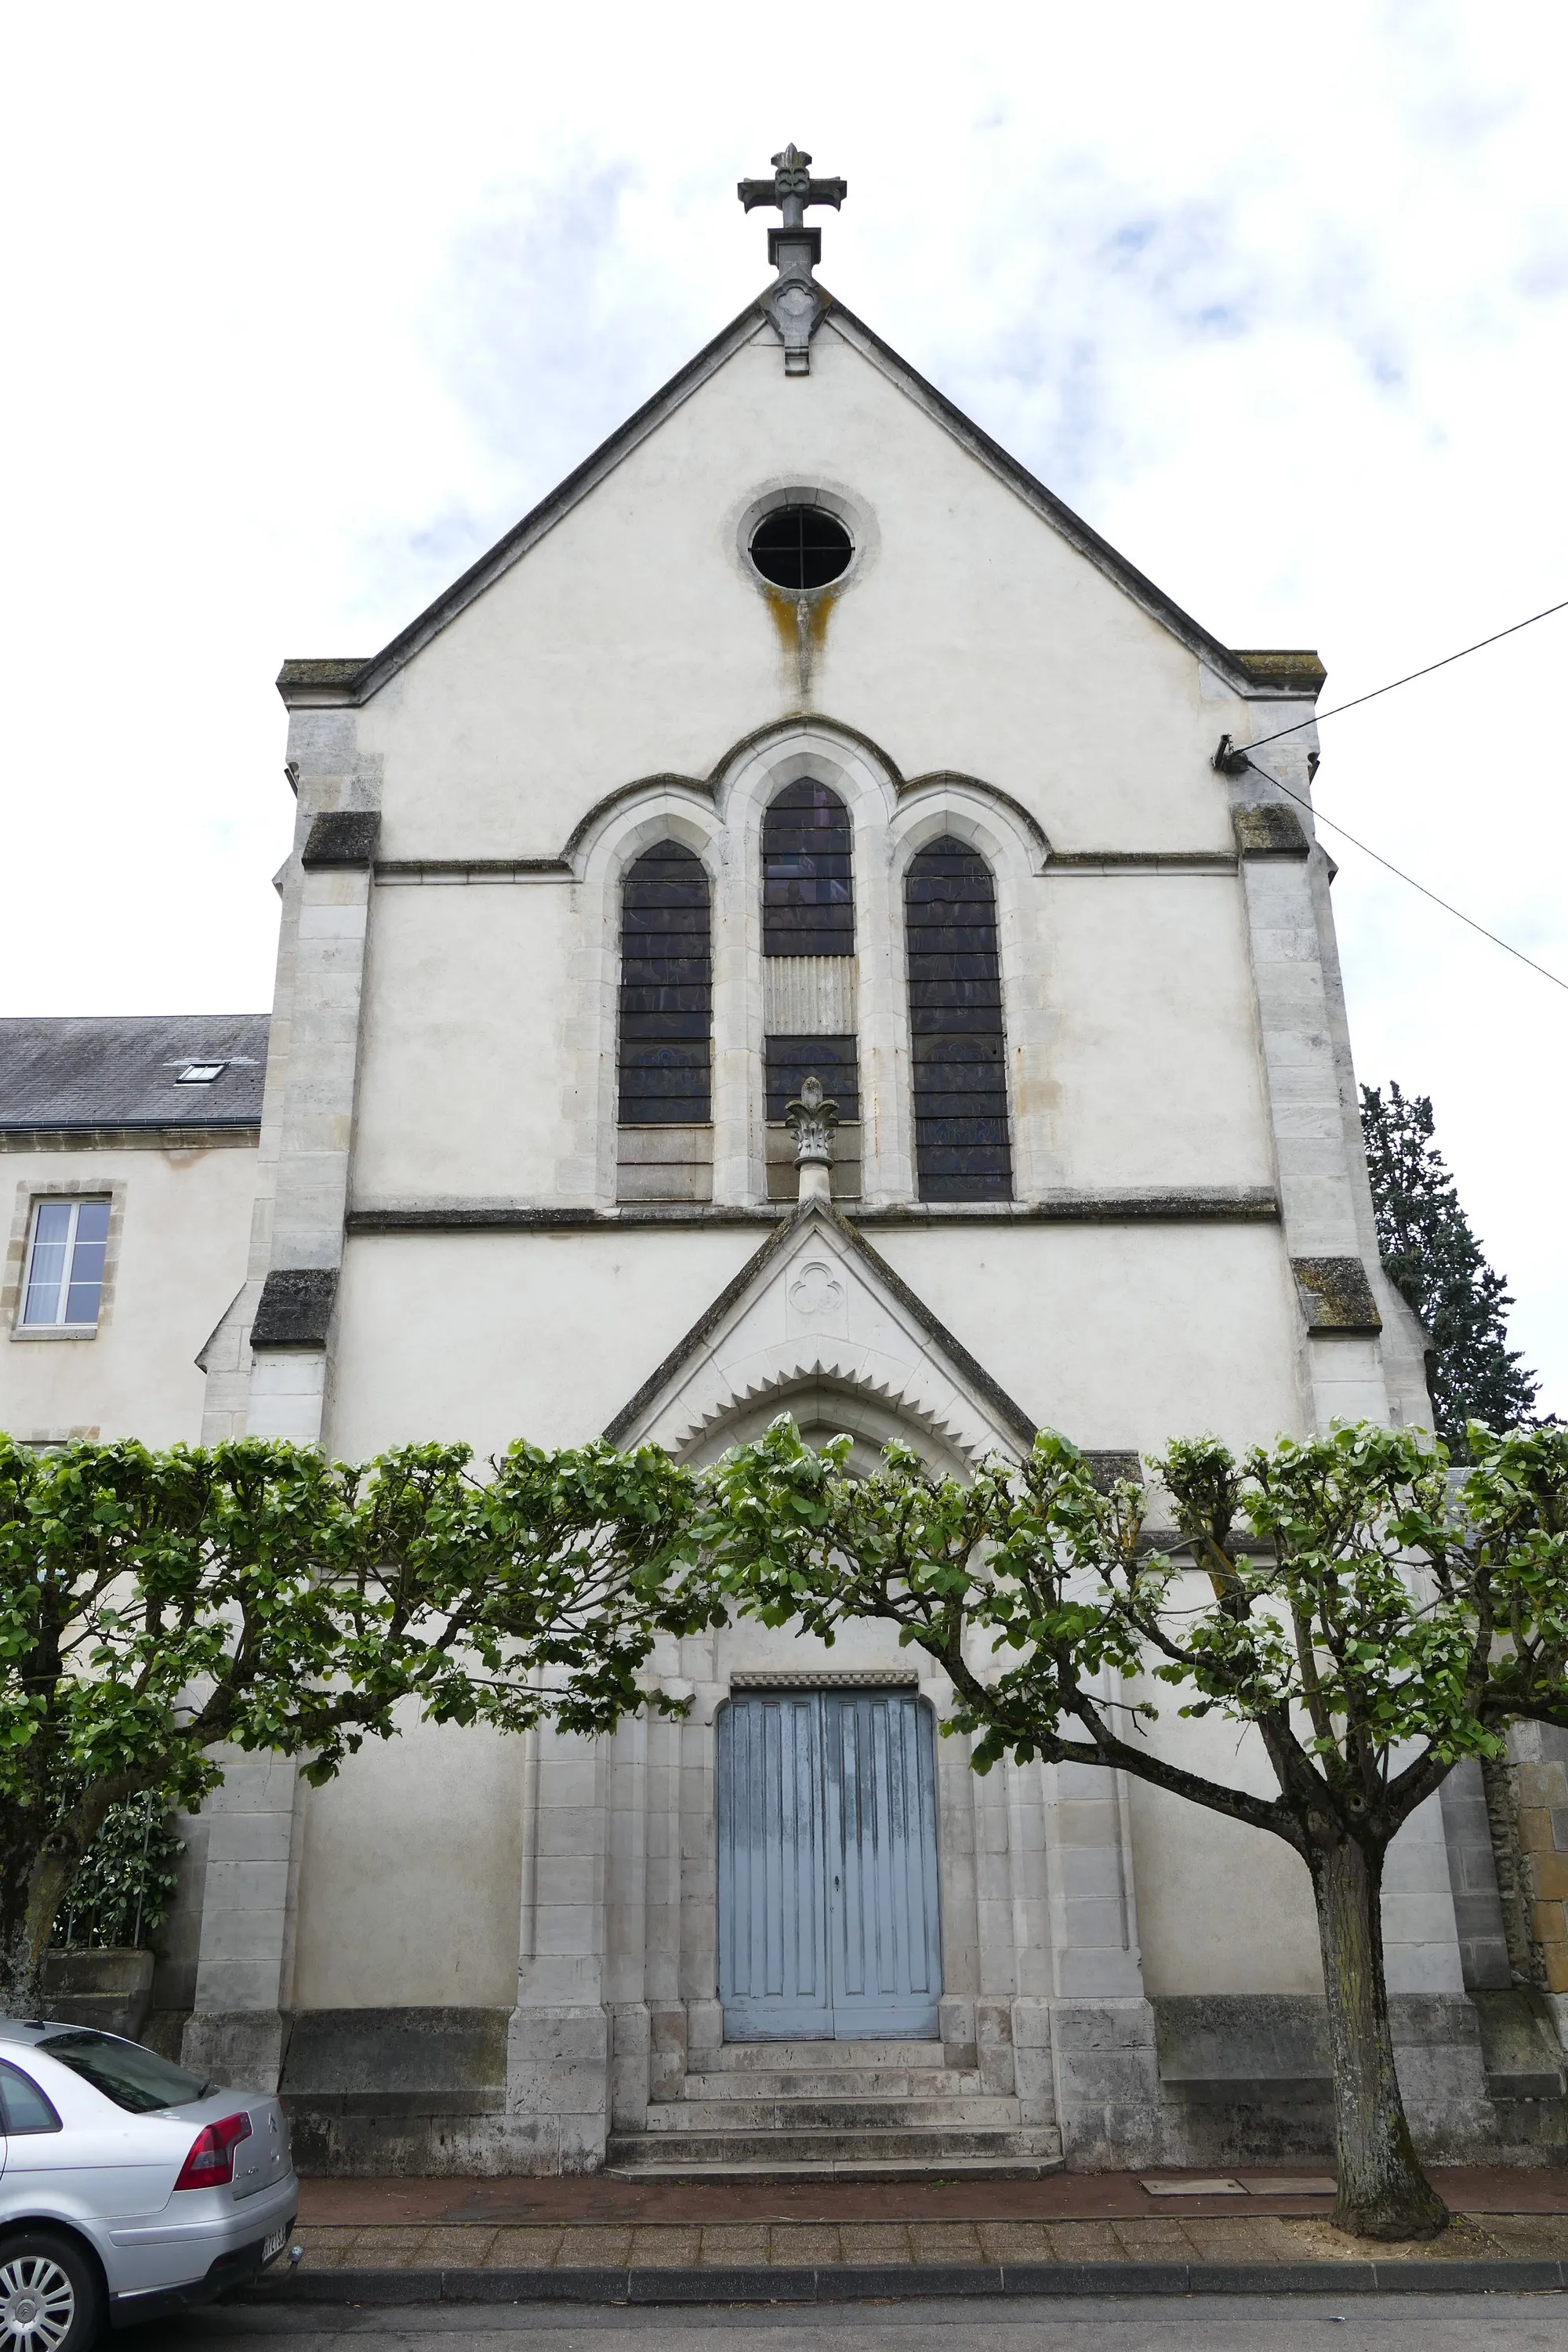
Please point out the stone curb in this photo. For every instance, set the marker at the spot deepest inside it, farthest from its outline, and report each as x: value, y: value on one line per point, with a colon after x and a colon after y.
x: 860, y: 2282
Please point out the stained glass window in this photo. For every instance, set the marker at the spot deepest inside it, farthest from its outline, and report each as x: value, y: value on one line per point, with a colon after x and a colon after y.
x: 667, y: 991
x: 963, y: 1150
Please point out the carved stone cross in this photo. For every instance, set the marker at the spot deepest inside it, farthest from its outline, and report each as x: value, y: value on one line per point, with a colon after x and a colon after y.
x: 795, y: 304
x: 792, y: 188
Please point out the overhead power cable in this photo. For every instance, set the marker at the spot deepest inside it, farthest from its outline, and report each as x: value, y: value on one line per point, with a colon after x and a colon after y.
x: 1356, y: 701
x: 1316, y: 813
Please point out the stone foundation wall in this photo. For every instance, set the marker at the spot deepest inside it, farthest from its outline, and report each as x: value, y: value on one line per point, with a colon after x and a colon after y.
x: 1209, y: 2080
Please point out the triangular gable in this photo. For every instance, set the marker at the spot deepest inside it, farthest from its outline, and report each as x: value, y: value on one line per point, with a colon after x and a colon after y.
x: 348, y: 681
x: 816, y: 1305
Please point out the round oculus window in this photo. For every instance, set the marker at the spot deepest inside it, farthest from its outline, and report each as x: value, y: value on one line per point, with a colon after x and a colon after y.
x: 801, y: 547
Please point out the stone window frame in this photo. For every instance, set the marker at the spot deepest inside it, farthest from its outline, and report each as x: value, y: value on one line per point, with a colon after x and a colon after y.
x: 592, y: 1104
x: 835, y: 499
x: 634, y: 1107
x: 963, y: 807
x: 867, y: 786
x: 935, y: 935
x: 721, y: 823
x: 30, y: 1191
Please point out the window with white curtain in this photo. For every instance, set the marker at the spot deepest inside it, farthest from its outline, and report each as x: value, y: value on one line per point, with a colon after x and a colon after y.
x: 63, y: 1287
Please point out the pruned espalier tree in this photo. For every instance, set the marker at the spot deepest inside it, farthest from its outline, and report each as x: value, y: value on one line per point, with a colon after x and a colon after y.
x: 157, y: 1606
x: 1370, y: 1621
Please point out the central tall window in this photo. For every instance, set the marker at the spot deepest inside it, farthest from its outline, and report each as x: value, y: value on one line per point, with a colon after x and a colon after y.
x: 808, y: 970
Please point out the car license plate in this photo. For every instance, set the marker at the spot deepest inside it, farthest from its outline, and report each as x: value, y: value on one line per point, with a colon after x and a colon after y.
x: 275, y: 2243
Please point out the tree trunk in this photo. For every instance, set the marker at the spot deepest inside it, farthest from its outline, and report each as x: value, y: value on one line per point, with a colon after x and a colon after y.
x: 37, y: 1865
x: 32, y: 1884
x: 1384, y: 2193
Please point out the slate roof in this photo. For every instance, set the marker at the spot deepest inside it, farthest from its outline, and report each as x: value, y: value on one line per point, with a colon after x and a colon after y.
x: 123, y: 1071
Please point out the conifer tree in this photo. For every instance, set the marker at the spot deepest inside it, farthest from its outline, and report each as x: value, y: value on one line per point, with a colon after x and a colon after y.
x: 1436, y: 1263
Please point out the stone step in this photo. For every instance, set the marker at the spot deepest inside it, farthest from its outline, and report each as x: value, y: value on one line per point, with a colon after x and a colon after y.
x: 771, y: 2149
x: 771, y: 2057
x: 856, y: 2115
x: 835, y: 2083
x: 868, y: 2156
x: 629, y: 2159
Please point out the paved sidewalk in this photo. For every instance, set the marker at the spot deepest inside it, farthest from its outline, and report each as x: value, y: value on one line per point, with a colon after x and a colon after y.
x: 1260, y: 2239
x: 599, y: 2199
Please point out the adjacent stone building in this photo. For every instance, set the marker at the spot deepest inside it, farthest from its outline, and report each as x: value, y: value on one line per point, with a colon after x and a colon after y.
x: 801, y: 731
x: 130, y: 1145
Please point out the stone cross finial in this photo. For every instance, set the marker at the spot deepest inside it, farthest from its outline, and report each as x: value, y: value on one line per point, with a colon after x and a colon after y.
x: 810, y: 1118
x: 795, y: 304
x: 792, y: 188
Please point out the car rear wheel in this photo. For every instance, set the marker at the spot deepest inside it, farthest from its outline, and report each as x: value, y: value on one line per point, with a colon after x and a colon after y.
x: 51, y: 2298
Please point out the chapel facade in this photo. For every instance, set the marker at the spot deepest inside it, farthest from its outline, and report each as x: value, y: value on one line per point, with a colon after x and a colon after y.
x: 800, y: 733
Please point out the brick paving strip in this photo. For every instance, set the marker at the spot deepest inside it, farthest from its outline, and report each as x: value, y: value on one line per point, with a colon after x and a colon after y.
x: 1113, y: 2237
x: 598, y: 2197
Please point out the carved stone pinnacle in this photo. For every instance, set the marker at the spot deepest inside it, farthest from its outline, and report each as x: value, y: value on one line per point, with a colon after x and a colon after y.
x: 810, y: 1118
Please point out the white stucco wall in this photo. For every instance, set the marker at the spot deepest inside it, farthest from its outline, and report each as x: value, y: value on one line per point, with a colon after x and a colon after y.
x: 464, y: 1058
x: 1120, y: 1335
x: 970, y: 639
x: 1149, y: 1057
x: 629, y: 640
x: 488, y: 1028
x: 368, y: 1936
x: 491, y: 1336
x: 1222, y: 1908
x: 179, y: 1258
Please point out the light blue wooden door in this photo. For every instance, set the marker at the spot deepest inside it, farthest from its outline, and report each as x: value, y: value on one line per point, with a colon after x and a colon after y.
x: 773, y: 1929
x: 884, y: 1930
x: 828, y: 1917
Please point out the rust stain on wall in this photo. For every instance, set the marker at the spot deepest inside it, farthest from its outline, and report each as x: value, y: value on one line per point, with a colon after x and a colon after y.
x: 802, y: 626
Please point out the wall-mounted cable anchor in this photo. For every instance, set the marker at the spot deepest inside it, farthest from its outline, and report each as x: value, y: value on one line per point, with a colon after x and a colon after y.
x: 1228, y: 761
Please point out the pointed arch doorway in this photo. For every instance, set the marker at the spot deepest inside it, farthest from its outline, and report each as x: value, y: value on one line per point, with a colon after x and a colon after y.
x: 829, y: 1925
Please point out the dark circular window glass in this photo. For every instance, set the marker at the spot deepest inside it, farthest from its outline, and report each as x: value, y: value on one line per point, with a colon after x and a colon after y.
x: 801, y: 547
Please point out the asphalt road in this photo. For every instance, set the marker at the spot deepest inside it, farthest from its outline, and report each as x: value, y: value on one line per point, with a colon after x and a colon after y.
x: 1385, y: 2323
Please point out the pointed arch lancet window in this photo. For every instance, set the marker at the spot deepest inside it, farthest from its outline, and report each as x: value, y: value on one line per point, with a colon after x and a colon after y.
x: 667, y: 991
x: 961, y: 1147
x: 808, y: 896
x: 808, y: 971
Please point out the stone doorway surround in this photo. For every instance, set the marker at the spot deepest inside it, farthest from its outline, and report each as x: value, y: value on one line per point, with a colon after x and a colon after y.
x: 1043, y: 1999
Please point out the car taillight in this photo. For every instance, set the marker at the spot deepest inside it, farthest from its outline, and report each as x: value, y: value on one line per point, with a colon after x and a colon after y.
x: 211, y: 2161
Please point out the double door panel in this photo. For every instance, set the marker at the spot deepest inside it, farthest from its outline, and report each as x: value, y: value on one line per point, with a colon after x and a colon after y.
x: 829, y: 1917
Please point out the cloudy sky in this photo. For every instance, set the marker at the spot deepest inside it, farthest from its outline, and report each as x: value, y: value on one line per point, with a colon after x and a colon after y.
x: 306, y: 304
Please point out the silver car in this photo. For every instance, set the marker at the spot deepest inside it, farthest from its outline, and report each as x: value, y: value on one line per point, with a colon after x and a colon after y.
x: 128, y: 2187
